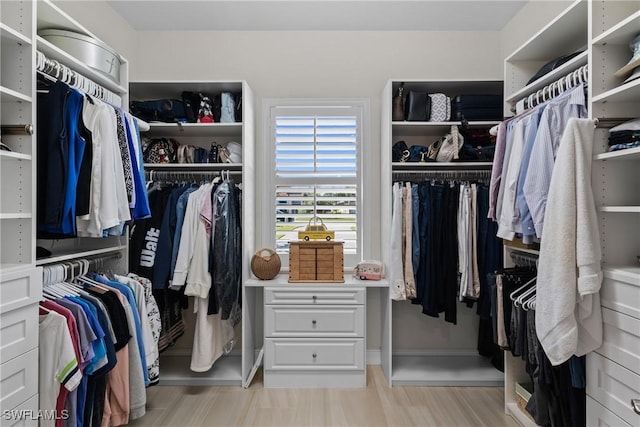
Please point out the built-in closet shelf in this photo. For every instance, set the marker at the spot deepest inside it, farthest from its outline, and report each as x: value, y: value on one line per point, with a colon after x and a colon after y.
x: 445, y: 370
x: 628, y: 154
x: 518, y: 249
x: 6, y: 268
x: 53, y: 52
x: 6, y: 32
x: 623, y: 273
x: 18, y: 215
x: 65, y: 255
x: 514, y: 410
x: 421, y: 128
x: 195, y: 129
x: 194, y: 166
x: 550, y: 77
x: 10, y: 95
x: 14, y: 155
x: 565, y: 34
x: 620, y: 209
x: 427, y: 166
x: 622, y: 33
x: 174, y: 370
x: 628, y: 92
x: 51, y: 16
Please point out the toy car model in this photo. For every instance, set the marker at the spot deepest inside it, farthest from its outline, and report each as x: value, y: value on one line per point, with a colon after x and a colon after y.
x: 316, y: 231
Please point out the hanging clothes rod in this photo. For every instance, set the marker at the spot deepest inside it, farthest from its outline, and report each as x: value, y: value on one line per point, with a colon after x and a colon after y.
x: 579, y: 77
x: 422, y: 175
x: 523, y: 259
x: 56, y: 70
x: 76, y: 267
x: 187, y: 175
x: 17, y: 129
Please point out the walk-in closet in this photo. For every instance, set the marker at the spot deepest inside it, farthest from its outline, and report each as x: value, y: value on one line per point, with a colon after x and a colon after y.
x: 319, y: 213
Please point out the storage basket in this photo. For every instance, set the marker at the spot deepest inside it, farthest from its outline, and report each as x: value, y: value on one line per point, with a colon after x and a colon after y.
x: 265, y: 264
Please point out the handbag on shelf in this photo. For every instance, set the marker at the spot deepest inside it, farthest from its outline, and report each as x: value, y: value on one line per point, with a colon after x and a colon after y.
x: 399, y: 152
x: 419, y: 153
x: 397, y: 113
x: 417, y: 106
x: 450, y: 146
x: 440, y: 107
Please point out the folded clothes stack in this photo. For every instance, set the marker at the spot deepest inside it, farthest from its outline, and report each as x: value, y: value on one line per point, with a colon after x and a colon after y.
x: 625, y: 135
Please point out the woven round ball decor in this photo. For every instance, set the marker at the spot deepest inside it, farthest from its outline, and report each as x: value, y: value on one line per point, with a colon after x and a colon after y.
x: 265, y: 264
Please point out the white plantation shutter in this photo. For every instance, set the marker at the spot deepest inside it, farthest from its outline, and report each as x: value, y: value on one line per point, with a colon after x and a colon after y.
x: 316, y: 172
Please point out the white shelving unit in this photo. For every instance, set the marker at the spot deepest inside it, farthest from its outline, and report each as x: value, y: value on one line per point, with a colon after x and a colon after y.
x: 450, y: 356
x: 20, y: 279
x: 566, y: 34
x: 615, y: 179
x: 236, y: 367
x: 51, y: 16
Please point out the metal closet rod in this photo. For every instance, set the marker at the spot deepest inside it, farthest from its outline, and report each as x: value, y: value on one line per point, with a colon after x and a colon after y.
x: 438, y: 174
x: 17, y: 129
x: 524, y: 259
x: 181, y: 175
x: 84, y: 264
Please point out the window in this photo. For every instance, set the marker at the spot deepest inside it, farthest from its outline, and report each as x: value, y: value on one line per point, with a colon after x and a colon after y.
x: 317, y: 175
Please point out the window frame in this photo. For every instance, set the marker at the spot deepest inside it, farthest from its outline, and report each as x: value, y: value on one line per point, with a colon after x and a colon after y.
x: 357, y: 107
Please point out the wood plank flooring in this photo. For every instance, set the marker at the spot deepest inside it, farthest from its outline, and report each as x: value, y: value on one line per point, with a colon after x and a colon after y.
x: 376, y: 405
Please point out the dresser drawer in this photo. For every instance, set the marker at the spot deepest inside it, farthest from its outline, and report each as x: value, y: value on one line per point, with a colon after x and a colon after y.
x: 613, y: 386
x: 18, y: 331
x: 318, y: 354
x: 621, y: 339
x: 305, y: 321
x: 620, y: 291
x: 25, y: 415
x: 18, y: 380
x: 20, y: 288
x: 598, y: 415
x: 329, y: 295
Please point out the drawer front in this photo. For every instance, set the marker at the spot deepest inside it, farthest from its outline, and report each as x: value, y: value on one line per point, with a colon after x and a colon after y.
x: 18, y: 380
x: 620, y: 293
x: 613, y: 386
x: 18, y: 331
x: 301, y: 321
x: 317, y: 354
x: 20, y: 288
x: 25, y: 415
x: 314, y: 296
x: 598, y: 415
x: 621, y: 339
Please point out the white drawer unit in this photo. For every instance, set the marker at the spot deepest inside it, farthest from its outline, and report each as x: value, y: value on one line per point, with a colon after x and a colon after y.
x: 598, y: 415
x: 303, y: 321
x: 315, y: 295
x: 314, y: 336
x: 621, y: 339
x: 614, y: 387
x: 18, y: 380
x: 24, y: 415
x: 317, y: 354
x: 19, y: 288
x: 18, y: 331
x: 620, y: 290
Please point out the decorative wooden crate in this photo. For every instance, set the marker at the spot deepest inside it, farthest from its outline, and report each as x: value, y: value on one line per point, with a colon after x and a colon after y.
x: 316, y: 261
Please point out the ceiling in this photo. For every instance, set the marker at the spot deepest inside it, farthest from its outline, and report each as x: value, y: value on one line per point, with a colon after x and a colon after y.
x: 330, y: 15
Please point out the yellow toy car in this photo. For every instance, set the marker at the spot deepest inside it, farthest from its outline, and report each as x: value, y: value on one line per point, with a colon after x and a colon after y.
x: 316, y: 231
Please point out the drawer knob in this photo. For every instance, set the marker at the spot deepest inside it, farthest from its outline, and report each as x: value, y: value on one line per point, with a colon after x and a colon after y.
x: 635, y: 404
x: 314, y: 355
x: 313, y: 322
x: 314, y: 298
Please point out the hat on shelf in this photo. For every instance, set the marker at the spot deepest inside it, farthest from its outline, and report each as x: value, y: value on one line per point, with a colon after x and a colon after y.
x: 634, y: 75
x: 635, y: 59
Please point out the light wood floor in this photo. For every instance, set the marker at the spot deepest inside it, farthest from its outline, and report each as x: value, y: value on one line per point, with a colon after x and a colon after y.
x: 375, y: 405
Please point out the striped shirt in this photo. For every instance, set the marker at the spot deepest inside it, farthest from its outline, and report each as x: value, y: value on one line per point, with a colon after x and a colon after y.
x: 552, y: 125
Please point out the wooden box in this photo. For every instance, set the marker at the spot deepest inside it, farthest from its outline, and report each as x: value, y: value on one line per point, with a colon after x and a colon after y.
x: 316, y: 261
